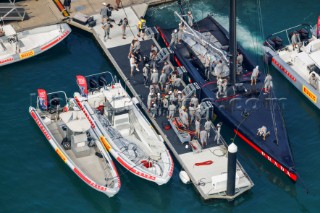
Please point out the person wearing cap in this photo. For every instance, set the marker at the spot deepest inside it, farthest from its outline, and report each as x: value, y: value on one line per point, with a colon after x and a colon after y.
x: 189, y: 18
x: 239, y: 59
x: 177, y: 83
x: 174, y: 38
x: 268, y: 83
x: 262, y: 131
x: 165, y: 105
x: 145, y: 73
x: 254, y: 75
x: 217, y: 136
x: 153, y: 58
x: 184, y: 116
x: 167, y: 87
x: 141, y: 27
x: 295, y: 39
x: 154, y: 110
x: 124, y: 27
x: 172, y: 109
x: 179, y: 97
x: 162, y: 80
x: 192, y: 112
x: 207, y: 127
x: 149, y: 100
x: 313, y: 81
x: 133, y: 65
x: 153, y: 48
x: 224, y: 87
x: 106, y: 26
x: 218, y: 69
x: 197, y: 127
x: 159, y: 104
x: 167, y: 68
x: 203, y: 138
x: 198, y: 112
x: 194, y: 100
x: 154, y: 78
x: 104, y: 12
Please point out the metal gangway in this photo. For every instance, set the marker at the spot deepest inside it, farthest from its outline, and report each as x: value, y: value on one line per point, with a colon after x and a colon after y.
x: 201, y: 39
x: 11, y: 12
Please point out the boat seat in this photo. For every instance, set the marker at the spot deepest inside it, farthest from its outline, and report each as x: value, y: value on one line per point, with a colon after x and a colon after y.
x: 121, y: 123
x: 79, y: 145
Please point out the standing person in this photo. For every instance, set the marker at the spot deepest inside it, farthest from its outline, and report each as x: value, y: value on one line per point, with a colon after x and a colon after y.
x: 165, y: 105
x: 103, y: 12
x: 224, y: 87
x: 67, y: 5
x: 217, y: 137
x: 109, y: 12
x: 268, y: 83
x: 145, y: 73
x: 218, y: 69
x: 219, y: 85
x: 184, y: 116
x: 174, y: 38
x: 197, y: 127
x: 124, y: 27
x: 203, y: 138
x: 313, y: 81
x: 180, y: 32
x: 194, y: 100
x: 149, y: 100
x: 106, y: 27
x: 207, y: 127
x: 133, y: 65
x: 192, y: 111
x: 142, y: 27
x: 254, y: 75
x: 153, y: 48
x: 172, y: 110
x: 154, y: 78
x: 239, y: 59
x: 167, y: 68
x: 295, y: 39
x: 189, y: 18
x: 162, y: 80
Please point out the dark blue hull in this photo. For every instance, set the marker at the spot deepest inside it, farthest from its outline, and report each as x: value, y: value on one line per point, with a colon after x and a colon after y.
x: 244, y: 111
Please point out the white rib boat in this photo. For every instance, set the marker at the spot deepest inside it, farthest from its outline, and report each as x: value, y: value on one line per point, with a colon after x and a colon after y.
x: 300, y: 65
x: 19, y: 46
x: 72, y: 137
x: 129, y: 136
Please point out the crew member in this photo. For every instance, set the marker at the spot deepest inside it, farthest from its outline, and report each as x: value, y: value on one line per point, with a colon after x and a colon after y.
x: 172, y: 110
x: 197, y: 127
x: 262, y: 131
x: 194, y: 100
x: 203, y: 138
x: 313, y: 80
x: 142, y: 27
x: 133, y: 64
x: 295, y: 39
x: 154, y: 78
x: 218, y: 129
x: 106, y: 27
x: 254, y: 75
x: 207, y: 126
x: 162, y: 80
x: 145, y: 73
x: 165, y: 105
x: 268, y: 83
x: 174, y: 38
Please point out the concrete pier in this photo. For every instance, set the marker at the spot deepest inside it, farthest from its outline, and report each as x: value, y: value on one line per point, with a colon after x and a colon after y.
x: 45, y: 12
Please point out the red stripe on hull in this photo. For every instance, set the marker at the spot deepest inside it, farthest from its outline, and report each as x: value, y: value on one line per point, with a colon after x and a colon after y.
x: 133, y: 170
x: 283, y: 70
x: 91, y: 183
x: 291, y: 175
x: 55, y: 41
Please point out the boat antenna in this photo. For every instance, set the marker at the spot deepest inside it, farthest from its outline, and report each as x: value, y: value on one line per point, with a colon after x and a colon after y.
x: 233, y: 41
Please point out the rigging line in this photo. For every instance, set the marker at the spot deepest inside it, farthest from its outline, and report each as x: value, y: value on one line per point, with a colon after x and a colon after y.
x: 272, y: 102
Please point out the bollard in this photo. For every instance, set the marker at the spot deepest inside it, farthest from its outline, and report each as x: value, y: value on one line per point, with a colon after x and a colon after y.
x: 232, y: 166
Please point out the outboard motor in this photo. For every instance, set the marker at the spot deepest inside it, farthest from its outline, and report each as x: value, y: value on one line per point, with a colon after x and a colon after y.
x: 304, y: 34
x: 55, y: 101
x: 93, y: 83
x: 102, y: 81
x: 269, y: 42
x: 277, y: 42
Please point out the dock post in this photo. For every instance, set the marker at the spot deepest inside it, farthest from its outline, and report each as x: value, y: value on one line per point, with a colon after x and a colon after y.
x: 232, y: 166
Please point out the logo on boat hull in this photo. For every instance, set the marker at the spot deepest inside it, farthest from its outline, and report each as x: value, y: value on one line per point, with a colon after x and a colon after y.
x: 309, y: 94
x: 284, y: 70
x: 6, y: 60
x: 27, y: 54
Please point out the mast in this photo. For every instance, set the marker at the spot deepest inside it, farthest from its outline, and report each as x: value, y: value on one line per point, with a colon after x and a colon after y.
x: 233, y: 41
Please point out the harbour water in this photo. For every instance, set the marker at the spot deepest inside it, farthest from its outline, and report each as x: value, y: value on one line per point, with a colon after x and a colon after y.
x: 34, y: 179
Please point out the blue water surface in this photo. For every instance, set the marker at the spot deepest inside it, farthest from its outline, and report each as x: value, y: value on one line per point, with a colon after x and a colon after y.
x: 34, y: 179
